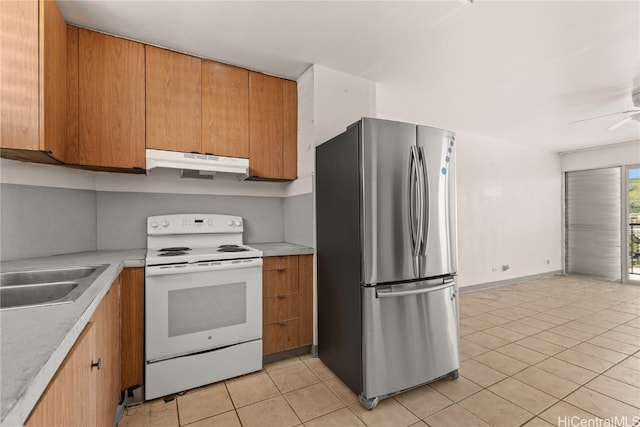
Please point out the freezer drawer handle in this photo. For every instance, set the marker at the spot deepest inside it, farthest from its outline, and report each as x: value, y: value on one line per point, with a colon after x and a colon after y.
x: 387, y: 293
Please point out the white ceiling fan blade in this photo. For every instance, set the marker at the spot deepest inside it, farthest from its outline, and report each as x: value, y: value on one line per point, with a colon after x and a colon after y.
x: 622, y: 122
x: 605, y: 115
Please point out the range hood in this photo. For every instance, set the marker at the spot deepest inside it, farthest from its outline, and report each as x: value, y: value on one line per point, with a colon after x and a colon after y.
x: 194, y: 165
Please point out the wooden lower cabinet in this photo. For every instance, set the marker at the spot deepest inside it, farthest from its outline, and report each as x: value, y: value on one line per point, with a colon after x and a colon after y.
x: 107, y: 321
x: 287, y: 309
x: 132, y: 328
x: 280, y: 336
x: 86, y: 389
x: 65, y: 401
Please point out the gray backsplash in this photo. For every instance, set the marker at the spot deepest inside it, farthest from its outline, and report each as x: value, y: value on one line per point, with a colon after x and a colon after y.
x: 298, y: 219
x: 41, y: 221
x: 122, y: 216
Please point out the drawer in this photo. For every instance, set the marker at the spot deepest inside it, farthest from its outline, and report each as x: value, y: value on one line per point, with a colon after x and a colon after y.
x: 280, y: 282
x: 279, y: 262
x: 279, y: 336
x: 279, y: 308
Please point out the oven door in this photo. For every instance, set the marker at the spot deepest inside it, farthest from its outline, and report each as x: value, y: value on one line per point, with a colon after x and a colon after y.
x: 199, y: 307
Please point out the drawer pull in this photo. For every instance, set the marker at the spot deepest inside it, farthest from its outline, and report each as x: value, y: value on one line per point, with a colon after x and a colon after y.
x: 281, y: 270
x: 281, y: 296
x: 97, y: 364
x: 282, y: 323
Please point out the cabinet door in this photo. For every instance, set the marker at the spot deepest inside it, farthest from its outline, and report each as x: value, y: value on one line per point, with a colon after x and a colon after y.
x: 72, y: 95
x: 265, y: 126
x: 19, y: 92
x: 290, y: 129
x: 69, y: 400
x: 132, y: 331
x: 111, y: 101
x: 279, y: 276
x: 173, y: 100
x: 33, y: 87
x: 53, y: 65
x: 225, y: 110
x: 107, y: 349
x: 305, y: 291
x: 280, y: 308
x: 280, y: 336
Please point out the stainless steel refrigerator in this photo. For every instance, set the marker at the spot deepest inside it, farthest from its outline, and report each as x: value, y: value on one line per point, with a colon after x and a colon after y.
x: 386, y: 257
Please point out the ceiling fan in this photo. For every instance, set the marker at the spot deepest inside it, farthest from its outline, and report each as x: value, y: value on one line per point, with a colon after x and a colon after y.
x: 633, y: 114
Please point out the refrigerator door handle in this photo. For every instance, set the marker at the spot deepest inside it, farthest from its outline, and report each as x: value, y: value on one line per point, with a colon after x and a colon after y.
x: 387, y: 293
x: 413, y: 201
x: 425, y: 205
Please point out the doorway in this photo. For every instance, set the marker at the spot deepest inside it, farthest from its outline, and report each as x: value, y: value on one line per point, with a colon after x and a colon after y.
x: 593, y: 223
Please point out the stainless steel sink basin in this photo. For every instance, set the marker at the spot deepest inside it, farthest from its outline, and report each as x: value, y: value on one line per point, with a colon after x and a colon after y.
x: 30, y: 277
x: 35, y: 288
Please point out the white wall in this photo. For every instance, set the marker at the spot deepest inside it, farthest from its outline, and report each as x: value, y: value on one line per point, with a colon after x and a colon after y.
x: 509, y: 210
x: 340, y: 99
x: 509, y: 202
x: 601, y: 157
x: 328, y: 102
x: 306, y: 154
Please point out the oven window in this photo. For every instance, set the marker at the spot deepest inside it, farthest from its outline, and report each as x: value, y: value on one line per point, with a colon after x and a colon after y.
x: 207, y: 308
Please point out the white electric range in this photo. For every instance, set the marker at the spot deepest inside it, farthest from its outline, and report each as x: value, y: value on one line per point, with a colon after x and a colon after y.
x: 203, y: 302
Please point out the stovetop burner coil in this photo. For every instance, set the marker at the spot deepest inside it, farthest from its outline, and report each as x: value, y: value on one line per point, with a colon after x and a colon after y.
x: 173, y: 253
x: 175, y: 249
x: 231, y: 248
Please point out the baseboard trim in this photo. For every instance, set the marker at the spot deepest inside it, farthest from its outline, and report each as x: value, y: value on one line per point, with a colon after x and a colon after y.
x: 274, y: 357
x: 506, y: 282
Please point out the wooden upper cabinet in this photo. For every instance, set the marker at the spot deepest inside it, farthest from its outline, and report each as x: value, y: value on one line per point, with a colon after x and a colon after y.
x: 273, y: 127
x: 290, y: 127
x: 33, y: 86
x: 72, y: 155
x: 173, y: 84
x: 19, y: 61
x: 53, y: 63
x: 225, y: 110
x: 265, y: 126
x: 111, y: 101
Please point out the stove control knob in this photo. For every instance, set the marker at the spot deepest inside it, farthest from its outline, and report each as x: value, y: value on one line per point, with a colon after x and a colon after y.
x: 164, y: 223
x: 154, y: 224
x: 230, y: 223
x: 238, y: 223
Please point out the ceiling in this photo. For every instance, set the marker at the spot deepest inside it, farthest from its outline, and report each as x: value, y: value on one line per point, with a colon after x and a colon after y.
x: 519, y: 71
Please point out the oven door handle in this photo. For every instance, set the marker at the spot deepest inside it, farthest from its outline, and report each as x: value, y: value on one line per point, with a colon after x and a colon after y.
x: 164, y: 270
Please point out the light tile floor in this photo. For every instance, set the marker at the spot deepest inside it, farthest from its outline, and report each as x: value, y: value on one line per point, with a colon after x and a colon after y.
x: 532, y: 354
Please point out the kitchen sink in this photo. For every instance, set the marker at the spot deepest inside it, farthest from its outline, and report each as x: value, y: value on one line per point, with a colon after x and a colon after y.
x: 35, y: 288
x: 51, y: 275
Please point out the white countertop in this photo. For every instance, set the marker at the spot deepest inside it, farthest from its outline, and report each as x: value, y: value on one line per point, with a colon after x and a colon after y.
x: 35, y: 341
x: 281, y: 249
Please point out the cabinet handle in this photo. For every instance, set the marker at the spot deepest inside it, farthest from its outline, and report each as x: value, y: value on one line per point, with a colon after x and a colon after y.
x: 97, y: 364
x: 282, y: 323
x: 281, y: 296
x: 281, y: 270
